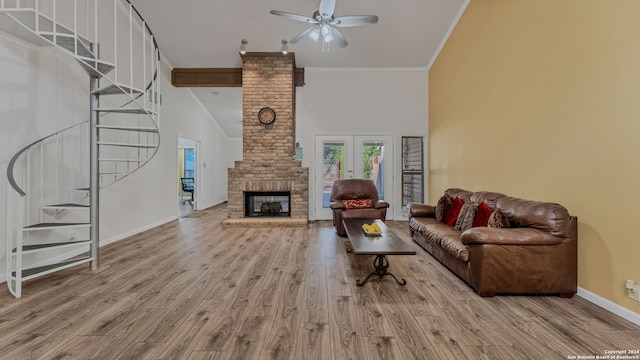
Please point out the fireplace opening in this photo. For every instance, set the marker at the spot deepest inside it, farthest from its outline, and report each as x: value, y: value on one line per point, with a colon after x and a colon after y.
x: 267, y: 204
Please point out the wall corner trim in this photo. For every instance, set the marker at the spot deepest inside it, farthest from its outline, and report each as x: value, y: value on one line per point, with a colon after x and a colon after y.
x: 445, y: 38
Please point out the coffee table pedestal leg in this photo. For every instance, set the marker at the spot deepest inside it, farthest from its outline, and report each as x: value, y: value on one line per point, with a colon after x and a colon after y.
x: 381, y: 264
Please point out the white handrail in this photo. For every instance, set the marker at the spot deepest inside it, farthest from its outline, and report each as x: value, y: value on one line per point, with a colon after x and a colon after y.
x: 18, y: 253
x: 131, y: 48
x: 75, y: 25
x: 55, y: 21
x: 95, y: 22
x: 144, y: 60
x: 37, y: 21
x: 115, y: 40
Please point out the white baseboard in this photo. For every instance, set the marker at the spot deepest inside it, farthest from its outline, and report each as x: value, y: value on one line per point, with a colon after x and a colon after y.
x: 136, y: 231
x: 609, y: 305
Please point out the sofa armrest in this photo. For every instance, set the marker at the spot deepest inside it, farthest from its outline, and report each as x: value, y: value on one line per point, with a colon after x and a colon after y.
x: 421, y: 210
x: 337, y: 205
x: 511, y: 236
x: 380, y: 204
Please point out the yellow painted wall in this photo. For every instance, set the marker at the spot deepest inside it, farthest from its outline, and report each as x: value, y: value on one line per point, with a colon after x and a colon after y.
x: 540, y: 99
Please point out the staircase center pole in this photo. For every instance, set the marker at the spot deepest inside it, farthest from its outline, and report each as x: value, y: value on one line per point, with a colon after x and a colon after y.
x: 94, y: 176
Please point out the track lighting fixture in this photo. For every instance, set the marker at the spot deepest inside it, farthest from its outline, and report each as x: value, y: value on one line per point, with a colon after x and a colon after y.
x: 243, y: 50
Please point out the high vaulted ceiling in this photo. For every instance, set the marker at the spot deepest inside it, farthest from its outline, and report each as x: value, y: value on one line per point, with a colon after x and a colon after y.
x: 207, y: 34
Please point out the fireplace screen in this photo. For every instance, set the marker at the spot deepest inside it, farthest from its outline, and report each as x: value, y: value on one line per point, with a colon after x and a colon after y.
x: 273, y: 204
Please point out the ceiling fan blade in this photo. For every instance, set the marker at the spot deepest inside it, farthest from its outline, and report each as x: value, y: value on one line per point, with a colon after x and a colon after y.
x: 301, y: 35
x: 294, y: 16
x: 338, y: 38
x: 327, y: 7
x: 355, y: 20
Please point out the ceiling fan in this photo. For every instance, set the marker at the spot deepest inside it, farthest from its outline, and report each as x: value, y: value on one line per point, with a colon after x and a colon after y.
x: 324, y: 23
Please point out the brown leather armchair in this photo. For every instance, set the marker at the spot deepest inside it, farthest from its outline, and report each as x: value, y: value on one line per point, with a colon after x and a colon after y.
x: 355, y: 189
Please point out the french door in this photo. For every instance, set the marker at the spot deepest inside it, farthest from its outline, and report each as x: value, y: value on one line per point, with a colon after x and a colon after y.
x: 352, y: 157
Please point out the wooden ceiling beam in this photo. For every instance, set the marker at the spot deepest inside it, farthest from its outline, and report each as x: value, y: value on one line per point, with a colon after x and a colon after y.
x: 218, y: 77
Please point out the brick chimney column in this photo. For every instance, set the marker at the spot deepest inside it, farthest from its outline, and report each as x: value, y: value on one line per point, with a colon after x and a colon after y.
x: 268, y: 150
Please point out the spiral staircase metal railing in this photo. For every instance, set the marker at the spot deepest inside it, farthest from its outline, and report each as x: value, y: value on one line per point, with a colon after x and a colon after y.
x: 54, y: 183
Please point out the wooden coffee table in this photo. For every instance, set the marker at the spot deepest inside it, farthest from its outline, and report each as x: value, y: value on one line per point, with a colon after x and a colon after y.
x: 380, y: 246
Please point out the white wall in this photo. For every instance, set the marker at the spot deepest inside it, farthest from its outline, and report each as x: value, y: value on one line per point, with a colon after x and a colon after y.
x: 362, y: 102
x: 43, y: 90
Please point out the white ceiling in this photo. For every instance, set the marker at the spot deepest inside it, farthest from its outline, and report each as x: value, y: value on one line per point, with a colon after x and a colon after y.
x: 207, y: 33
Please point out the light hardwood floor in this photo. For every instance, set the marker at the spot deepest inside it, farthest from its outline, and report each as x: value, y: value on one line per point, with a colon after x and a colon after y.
x: 191, y: 289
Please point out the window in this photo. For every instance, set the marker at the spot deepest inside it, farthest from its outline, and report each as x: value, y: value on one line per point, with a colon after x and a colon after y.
x: 412, y: 170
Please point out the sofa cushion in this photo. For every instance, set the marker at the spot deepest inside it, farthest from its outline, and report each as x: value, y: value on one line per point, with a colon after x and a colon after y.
x: 442, y: 207
x: 358, y: 203
x: 482, y: 215
x: 365, y: 213
x: 434, y: 232
x: 545, y: 216
x: 462, y: 194
x: 498, y: 219
x: 453, y: 211
x: 488, y: 197
x: 466, y: 216
x: 425, y: 227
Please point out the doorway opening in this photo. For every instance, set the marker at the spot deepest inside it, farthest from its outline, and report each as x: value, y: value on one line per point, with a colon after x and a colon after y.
x: 187, y: 176
x: 352, y: 157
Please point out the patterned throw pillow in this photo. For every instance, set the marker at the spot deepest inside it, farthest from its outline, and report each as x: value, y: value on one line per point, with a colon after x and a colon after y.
x: 469, y: 217
x: 466, y: 217
x: 441, y: 207
x: 498, y: 219
x: 358, y: 203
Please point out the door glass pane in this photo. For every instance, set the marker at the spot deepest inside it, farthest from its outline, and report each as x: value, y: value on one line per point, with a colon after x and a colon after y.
x: 332, y: 169
x: 373, y: 165
x: 189, y: 163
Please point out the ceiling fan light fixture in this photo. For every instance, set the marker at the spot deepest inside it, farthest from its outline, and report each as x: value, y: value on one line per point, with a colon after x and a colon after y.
x: 314, y: 34
x: 243, y: 50
x: 285, y: 50
x: 325, y: 30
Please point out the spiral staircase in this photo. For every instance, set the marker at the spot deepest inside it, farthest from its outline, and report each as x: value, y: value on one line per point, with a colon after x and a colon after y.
x: 53, y: 194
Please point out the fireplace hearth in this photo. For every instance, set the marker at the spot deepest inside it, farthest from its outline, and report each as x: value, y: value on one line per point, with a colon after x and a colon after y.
x: 267, y: 204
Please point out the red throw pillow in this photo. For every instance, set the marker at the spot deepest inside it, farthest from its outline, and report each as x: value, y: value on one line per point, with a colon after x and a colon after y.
x: 453, y: 212
x: 358, y: 203
x: 482, y: 216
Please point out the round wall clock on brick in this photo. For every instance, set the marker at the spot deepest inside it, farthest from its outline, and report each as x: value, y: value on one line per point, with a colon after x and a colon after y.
x: 266, y: 115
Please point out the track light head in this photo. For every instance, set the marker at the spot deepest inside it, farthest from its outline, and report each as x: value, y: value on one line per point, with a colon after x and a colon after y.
x: 243, y: 49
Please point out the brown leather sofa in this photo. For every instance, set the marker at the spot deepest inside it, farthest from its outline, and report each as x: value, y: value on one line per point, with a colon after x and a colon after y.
x: 355, y: 189
x: 536, y: 254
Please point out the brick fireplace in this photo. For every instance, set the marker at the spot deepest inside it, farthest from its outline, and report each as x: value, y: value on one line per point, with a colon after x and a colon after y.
x: 268, y: 164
